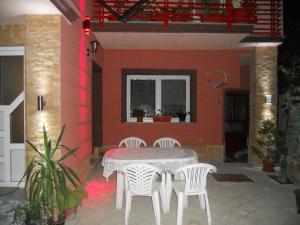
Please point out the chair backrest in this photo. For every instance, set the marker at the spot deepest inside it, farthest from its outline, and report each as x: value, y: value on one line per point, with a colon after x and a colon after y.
x: 166, y: 142
x: 139, y: 177
x: 132, y: 142
x: 195, y: 177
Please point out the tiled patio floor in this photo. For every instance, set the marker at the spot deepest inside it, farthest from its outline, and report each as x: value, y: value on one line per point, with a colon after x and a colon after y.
x: 262, y: 202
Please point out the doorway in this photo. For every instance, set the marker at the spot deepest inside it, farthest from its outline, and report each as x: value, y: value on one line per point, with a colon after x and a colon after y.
x: 12, y: 146
x: 96, y: 105
x: 236, y: 126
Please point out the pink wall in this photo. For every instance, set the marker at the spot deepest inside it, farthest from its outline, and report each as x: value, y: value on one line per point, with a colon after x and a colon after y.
x: 210, y: 102
x: 245, y: 73
x: 76, y: 77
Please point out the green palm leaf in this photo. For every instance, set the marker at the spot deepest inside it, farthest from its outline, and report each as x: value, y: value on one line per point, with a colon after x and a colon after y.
x: 46, y: 179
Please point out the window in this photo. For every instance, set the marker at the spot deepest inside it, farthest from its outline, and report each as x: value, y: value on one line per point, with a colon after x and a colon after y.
x: 157, y: 94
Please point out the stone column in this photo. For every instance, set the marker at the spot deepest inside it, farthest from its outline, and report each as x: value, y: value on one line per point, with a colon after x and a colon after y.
x: 42, y: 77
x: 263, y: 81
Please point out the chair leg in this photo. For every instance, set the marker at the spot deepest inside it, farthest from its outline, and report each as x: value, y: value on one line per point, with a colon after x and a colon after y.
x: 180, y: 208
x: 120, y: 189
x: 155, y: 202
x: 128, y: 207
x: 185, y: 201
x: 207, y: 209
x: 169, y: 191
x: 202, y: 201
x: 163, y: 192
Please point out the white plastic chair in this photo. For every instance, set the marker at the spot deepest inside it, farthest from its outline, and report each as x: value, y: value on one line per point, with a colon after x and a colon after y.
x: 194, y: 184
x: 129, y: 142
x: 140, y: 182
x: 166, y: 142
x: 132, y: 142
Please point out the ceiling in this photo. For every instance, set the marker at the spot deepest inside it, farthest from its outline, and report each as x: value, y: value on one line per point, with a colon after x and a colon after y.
x: 13, y: 11
x: 137, y: 40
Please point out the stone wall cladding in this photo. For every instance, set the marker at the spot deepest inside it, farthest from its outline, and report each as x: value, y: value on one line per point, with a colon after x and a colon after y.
x: 263, y: 80
x: 42, y: 69
x: 12, y: 35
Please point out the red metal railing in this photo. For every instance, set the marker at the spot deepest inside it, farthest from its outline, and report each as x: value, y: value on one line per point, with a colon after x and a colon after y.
x: 269, y: 18
x: 265, y: 14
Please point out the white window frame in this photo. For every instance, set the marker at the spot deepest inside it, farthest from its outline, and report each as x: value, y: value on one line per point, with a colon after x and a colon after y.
x: 158, y: 79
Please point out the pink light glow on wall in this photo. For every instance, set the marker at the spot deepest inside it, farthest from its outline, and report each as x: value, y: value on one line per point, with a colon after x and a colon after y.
x: 76, y: 91
x: 82, y: 6
x: 101, y: 191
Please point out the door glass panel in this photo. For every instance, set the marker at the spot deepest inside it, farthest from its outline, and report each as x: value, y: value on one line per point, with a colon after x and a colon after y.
x: 11, y: 75
x: 143, y: 96
x: 229, y: 108
x: 17, y: 124
x: 239, y: 108
x: 173, y: 97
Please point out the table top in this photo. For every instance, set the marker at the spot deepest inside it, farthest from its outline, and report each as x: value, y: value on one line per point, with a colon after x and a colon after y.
x: 164, y: 158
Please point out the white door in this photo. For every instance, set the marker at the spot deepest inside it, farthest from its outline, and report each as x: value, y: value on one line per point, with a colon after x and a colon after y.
x: 12, y: 146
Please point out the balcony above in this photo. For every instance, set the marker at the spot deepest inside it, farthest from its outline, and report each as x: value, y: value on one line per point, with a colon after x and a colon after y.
x: 143, y: 20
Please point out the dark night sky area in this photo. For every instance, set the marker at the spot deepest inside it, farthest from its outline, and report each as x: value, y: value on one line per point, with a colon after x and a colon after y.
x: 291, y: 43
x: 291, y: 25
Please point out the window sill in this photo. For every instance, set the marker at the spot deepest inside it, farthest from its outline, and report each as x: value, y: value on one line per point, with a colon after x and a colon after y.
x: 150, y: 120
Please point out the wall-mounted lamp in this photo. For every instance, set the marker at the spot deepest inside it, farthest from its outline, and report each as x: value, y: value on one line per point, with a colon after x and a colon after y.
x: 86, y: 25
x: 94, y: 46
x: 268, y: 99
x: 87, y: 52
x: 40, y: 103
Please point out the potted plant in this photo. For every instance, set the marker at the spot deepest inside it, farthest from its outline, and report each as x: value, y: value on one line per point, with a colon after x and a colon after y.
x: 161, y: 118
x: 156, y: 118
x: 268, y: 145
x: 166, y: 118
x: 139, y: 114
x: 182, y: 115
x: 46, y: 179
x: 243, y: 11
x: 212, y: 13
x: 23, y: 214
x: 72, y: 201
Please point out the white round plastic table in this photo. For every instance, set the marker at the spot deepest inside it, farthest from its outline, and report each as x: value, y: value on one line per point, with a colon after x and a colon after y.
x: 167, y: 159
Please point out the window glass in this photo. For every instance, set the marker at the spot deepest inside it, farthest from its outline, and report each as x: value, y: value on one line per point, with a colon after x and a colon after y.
x: 173, y: 97
x: 142, y: 96
x: 167, y: 95
x: 11, y: 78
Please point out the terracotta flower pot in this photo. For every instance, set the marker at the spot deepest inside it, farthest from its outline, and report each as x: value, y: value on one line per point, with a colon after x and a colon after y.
x: 156, y: 118
x: 161, y: 118
x: 139, y: 119
x: 166, y: 118
x: 268, y: 166
x: 70, y: 213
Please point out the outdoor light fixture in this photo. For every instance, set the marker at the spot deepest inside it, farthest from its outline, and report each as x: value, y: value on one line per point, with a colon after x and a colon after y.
x: 268, y: 99
x: 40, y: 103
x: 94, y: 46
x: 86, y: 25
